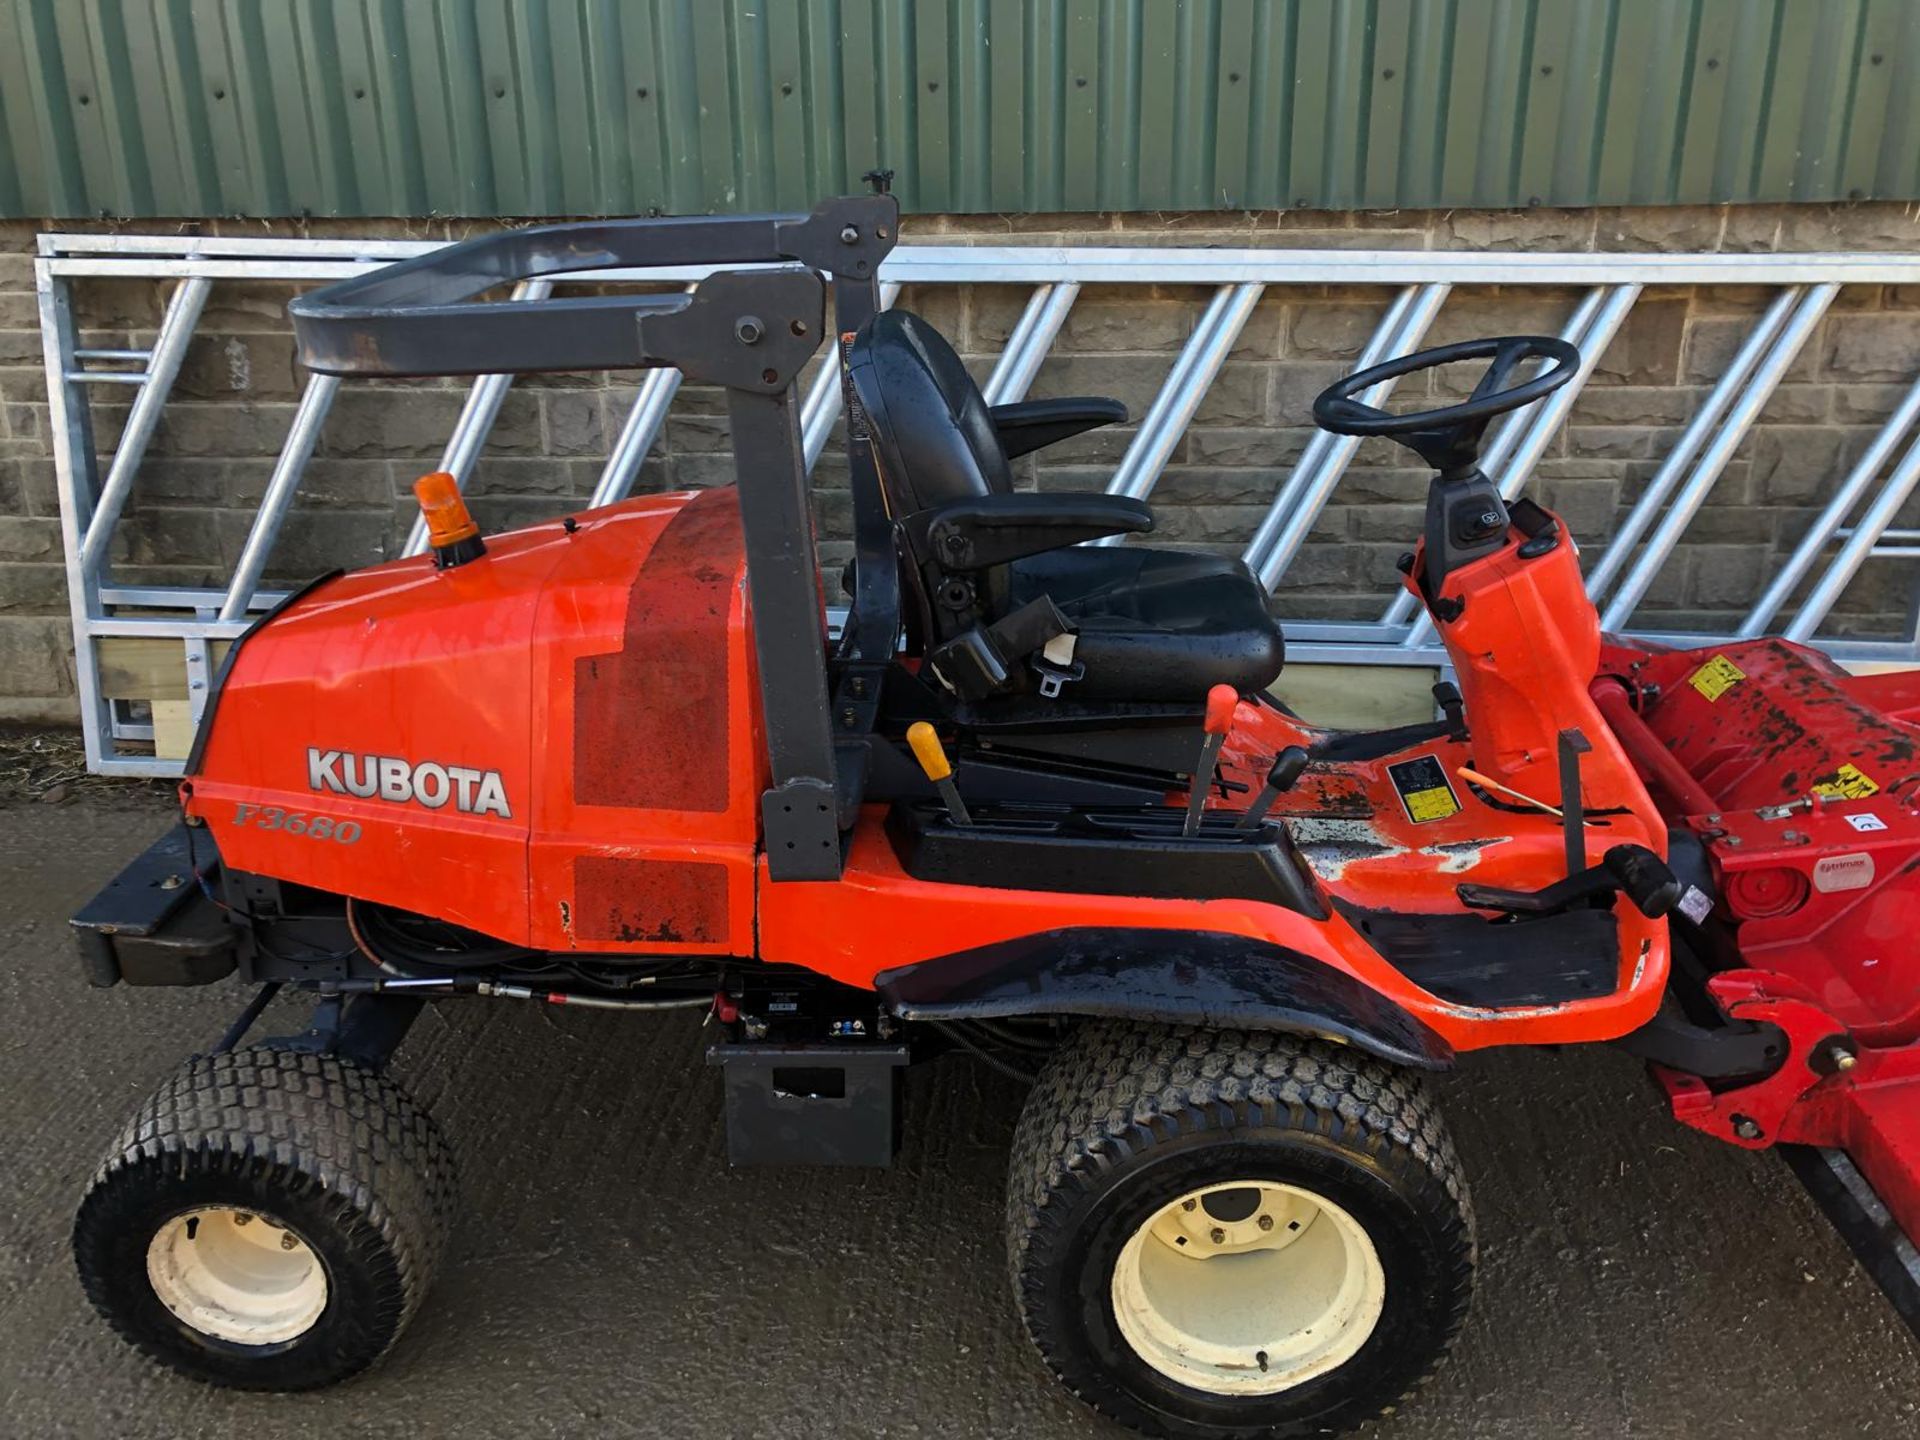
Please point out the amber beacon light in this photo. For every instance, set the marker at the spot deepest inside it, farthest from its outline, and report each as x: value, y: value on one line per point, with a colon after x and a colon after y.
x: 451, y: 530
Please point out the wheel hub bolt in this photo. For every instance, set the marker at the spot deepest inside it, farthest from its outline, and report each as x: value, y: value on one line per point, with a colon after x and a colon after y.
x: 243, y: 1218
x: 1265, y: 1222
x: 1189, y: 1204
x: 1217, y: 1235
x: 287, y: 1242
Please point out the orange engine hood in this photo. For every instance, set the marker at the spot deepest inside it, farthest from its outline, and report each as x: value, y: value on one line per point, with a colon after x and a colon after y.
x: 503, y: 743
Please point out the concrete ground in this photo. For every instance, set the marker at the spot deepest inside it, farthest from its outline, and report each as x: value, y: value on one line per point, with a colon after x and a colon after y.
x: 610, y: 1275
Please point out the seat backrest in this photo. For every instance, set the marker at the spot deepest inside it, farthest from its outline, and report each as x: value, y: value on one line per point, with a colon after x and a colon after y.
x: 932, y: 433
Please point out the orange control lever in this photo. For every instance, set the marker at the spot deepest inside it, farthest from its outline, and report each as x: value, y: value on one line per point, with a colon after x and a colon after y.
x: 1221, y: 702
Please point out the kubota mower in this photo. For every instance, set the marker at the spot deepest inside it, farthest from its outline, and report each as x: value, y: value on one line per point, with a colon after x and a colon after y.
x: 1031, y: 802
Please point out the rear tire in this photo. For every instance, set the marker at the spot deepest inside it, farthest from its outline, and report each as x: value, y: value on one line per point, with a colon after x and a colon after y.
x: 1225, y: 1234
x: 269, y: 1220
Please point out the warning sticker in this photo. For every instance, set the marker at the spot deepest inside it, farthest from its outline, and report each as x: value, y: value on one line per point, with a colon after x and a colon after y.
x: 1716, y: 677
x: 1847, y: 783
x: 1864, y: 823
x: 1843, y: 872
x: 1424, y: 788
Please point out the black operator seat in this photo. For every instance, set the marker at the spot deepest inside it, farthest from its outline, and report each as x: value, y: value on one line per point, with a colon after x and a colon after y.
x: 1011, y: 602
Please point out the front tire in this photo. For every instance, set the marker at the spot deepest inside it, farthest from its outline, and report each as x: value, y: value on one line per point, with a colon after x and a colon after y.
x: 1225, y: 1234
x: 269, y: 1220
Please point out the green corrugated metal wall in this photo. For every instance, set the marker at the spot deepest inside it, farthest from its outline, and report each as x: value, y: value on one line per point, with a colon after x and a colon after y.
x: 526, y: 107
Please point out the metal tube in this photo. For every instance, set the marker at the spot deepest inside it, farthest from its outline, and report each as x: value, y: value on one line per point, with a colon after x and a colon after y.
x: 637, y: 434
x: 169, y: 350
x: 820, y: 410
x: 107, y: 377
x: 1650, y: 757
x: 1823, y: 529
x: 1316, y: 474
x: 470, y: 431
x: 1713, y: 460
x: 75, y: 468
x: 257, y: 259
x: 315, y: 401
x: 1513, y: 455
x: 636, y: 438
x: 1866, y: 535
x: 1620, y: 547
x: 1180, y: 396
x: 1032, y: 338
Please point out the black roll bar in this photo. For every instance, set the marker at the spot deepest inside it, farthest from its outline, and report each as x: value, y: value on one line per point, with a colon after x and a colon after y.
x: 748, y: 330
x: 419, y: 316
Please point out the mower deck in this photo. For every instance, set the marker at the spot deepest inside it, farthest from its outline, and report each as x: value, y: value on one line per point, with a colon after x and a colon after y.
x: 1799, y: 781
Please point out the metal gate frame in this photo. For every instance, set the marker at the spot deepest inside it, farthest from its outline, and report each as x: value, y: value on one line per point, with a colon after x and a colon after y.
x: 1418, y: 282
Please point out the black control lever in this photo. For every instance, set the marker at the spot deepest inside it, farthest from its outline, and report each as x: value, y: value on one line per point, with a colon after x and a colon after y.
x: 1285, y: 770
x: 1632, y: 870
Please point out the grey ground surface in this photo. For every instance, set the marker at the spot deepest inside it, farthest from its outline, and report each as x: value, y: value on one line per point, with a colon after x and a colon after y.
x: 610, y: 1275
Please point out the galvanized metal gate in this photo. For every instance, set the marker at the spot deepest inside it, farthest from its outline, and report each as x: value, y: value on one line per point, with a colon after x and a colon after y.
x: 1855, y: 523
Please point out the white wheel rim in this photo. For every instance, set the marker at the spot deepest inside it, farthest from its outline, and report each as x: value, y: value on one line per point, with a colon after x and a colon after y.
x: 238, y: 1276
x: 1248, y: 1288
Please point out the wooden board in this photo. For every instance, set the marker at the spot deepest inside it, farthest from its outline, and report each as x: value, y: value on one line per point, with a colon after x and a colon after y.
x: 1358, y: 697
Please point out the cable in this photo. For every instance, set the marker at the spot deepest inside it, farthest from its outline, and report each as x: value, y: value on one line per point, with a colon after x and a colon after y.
x: 1013, y: 1072
x: 462, y: 981
x: 1008, y: 1033
x: 360, y: 940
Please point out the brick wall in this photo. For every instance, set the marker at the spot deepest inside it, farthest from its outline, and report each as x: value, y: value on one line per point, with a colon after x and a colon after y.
x: 235, y: 397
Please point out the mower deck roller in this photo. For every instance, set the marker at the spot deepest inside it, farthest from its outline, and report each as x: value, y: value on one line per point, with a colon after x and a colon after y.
x: 1032, y: 805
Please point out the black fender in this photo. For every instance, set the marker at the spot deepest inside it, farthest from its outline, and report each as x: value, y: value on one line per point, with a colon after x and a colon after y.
x: 1174, y: 977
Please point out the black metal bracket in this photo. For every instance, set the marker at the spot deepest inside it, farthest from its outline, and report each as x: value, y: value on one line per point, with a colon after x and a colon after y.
x: 1572, y: 745
x: 366, y: 1029
x: 1719, y: 1052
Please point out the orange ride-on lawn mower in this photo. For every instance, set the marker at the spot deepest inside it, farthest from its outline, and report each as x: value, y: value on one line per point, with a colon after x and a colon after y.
x: 1032, y: 803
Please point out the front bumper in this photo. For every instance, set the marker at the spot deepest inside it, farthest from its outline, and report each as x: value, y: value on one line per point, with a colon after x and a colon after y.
x: 156, y: 922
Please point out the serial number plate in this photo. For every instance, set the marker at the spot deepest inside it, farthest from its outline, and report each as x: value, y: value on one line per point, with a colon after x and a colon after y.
x: 297, y: 822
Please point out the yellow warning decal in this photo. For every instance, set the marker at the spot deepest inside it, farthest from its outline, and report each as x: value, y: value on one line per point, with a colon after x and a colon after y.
x: 1434, y: 804
x: 1716, y: 677
x: 1848, y: 783
x: 1424, y: 789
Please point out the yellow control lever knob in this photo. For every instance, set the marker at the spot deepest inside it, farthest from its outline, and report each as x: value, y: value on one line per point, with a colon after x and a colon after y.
x: 928, y: 750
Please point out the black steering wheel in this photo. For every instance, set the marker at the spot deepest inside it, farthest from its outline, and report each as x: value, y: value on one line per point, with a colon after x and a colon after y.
x: 1448, y: 438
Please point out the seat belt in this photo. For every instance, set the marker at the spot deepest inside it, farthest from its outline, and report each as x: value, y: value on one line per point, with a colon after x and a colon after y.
x: 984, y: 661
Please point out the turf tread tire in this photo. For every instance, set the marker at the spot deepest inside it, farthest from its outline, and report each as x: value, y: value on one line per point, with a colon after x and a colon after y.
x: 369, y: 1166
x: 1117, y: 1090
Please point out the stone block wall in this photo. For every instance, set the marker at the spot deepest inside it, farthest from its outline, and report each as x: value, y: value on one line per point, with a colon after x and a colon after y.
x: 235, y: 398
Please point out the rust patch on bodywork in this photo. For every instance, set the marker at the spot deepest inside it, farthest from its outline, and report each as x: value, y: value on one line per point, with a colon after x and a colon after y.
x: 667, y: 902
x: 650, y: 720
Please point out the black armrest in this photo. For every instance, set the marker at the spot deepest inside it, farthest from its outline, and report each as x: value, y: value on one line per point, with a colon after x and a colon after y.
x: 993, y: 529
x: 1034, y: 424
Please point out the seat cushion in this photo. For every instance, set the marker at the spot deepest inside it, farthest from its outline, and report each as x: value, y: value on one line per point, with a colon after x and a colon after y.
x: 1157, y: 625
